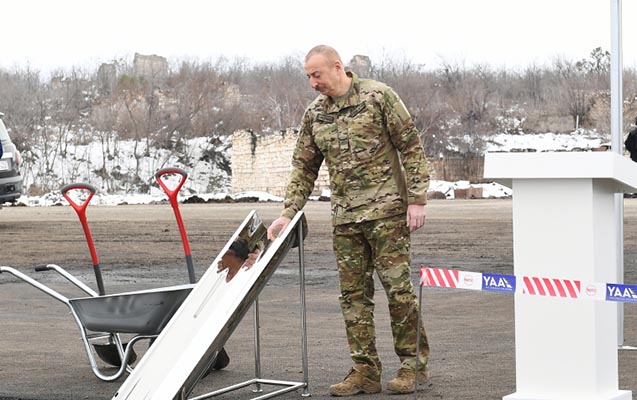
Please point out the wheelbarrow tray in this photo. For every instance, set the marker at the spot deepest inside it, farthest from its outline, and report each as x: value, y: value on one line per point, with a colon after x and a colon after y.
x: 143, y: 312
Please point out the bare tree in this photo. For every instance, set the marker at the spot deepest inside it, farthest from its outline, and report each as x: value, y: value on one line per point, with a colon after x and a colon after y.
x: 130, y: 93
x: 71, y: 101
x: 453, y: 105
x: 572, y: 93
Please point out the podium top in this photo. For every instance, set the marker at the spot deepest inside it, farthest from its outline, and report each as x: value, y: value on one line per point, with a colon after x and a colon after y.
x: 505, y: 167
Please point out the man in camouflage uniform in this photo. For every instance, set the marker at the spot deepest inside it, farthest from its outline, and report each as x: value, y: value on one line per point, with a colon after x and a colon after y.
x: 378, y: 182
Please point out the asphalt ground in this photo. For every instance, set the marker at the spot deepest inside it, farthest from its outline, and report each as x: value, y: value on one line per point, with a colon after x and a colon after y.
x: 471, y: 333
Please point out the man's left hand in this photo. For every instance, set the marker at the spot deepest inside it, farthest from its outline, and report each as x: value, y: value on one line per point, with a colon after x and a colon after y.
x: 415, y: 216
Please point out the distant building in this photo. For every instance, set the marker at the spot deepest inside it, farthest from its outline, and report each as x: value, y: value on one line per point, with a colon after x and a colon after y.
x: 361, y: 65
x: 107, y: 78
x: 153, y: 68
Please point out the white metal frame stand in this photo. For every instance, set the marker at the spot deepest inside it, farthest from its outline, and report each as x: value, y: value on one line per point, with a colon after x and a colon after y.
x: 258, y: 381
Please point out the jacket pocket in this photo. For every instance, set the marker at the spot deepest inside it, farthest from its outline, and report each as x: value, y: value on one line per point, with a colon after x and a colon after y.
x: 366, y: 134
x: 324, y: 137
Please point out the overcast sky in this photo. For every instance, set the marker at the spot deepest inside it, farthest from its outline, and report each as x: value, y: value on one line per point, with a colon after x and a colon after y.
x: 49, y: 34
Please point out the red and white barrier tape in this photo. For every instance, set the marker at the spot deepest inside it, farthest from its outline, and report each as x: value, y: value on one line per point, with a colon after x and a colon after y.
x: 535, y: 286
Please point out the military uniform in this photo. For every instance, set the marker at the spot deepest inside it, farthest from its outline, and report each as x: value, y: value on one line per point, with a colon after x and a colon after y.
x: 377, y: 168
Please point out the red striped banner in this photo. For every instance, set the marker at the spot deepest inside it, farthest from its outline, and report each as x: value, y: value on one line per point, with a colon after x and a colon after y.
x: 439, y: 277
x: 552, y: 287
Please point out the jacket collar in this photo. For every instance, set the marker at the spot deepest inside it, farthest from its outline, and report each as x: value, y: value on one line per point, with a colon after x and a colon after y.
x: 352, y: 100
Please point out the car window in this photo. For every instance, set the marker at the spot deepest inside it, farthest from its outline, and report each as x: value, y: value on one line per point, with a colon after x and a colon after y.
x: 4, y: 136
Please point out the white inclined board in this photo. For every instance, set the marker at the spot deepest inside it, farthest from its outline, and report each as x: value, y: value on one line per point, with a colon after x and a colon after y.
x: 200, y: 325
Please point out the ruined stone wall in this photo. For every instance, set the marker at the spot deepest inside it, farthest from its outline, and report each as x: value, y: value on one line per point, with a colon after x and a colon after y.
x: 107, y: 77
x: 263, y: 163
x: 457, y: 168
x: 151, y: 67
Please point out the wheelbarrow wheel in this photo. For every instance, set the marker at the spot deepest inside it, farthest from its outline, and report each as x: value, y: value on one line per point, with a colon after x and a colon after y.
x: 108, y: 353
x: 222, y: 360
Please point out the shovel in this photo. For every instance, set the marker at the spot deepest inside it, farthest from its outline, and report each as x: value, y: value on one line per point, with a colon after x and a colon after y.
x: 172, y: 196
x: 108, y: 352
x: 222, y: 360
x: 80, y: 209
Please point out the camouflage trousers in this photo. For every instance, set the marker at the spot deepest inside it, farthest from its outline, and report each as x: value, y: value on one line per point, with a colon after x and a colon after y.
x: 384, y: 246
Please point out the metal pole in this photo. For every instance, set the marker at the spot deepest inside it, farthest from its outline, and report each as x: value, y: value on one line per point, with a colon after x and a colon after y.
x: 306, y: 390
x: 418, y: 338
x: 616, y: 128
x: 257, y: 347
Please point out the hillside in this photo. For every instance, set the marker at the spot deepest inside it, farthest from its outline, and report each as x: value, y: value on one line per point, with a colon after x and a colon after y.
x: 123, y: 170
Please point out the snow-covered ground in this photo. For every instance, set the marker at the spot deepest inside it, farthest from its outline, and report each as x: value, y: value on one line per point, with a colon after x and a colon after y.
x: 201, y: 176
x: 580, y: 140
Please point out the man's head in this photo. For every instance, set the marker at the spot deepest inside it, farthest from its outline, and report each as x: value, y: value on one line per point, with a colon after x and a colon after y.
x: 324, y: 69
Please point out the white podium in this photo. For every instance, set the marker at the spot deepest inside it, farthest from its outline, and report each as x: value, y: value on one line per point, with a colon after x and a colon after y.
x: 564, y: 226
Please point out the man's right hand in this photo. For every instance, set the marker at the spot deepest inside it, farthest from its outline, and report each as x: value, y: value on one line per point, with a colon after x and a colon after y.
x: 277, y: 227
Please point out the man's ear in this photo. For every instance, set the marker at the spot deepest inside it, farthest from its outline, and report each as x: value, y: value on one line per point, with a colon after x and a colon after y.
x: 338, y: 65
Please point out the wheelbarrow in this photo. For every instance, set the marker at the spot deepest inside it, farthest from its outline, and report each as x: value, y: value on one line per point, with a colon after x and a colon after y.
x: 142, y: 313
x: 101, y: 316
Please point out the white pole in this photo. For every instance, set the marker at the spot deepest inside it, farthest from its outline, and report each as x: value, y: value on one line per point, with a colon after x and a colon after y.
x: 616, y: 129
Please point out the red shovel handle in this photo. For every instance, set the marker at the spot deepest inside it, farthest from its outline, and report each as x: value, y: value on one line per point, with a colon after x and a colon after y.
x: 80, y: 209
x: 172, y: 194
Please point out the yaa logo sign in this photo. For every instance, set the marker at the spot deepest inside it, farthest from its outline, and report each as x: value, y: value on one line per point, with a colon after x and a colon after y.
x: 625, y: 293
x: 498, y: 283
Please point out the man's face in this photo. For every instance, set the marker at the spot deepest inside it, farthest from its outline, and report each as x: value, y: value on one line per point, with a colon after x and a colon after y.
x: 232, y: 263
x: 322, y: 74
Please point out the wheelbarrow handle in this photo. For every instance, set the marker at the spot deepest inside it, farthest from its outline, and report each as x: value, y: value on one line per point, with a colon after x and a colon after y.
x: 69, y: 277
x: 35, y: 284
x: 41, y: 268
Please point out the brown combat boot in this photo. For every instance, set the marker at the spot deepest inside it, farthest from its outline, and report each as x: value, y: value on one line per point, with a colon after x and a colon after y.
x: 404, y: 382
x: 355, y: 383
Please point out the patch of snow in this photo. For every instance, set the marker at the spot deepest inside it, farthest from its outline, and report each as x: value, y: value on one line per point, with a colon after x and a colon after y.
x: 208, y: 182
x: 543, y: 142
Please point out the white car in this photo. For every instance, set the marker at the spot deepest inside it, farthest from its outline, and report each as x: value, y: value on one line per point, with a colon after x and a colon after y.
x: 10, y: 178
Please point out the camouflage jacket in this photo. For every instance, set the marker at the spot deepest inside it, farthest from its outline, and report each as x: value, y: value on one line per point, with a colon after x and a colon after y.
x: 372, y: 149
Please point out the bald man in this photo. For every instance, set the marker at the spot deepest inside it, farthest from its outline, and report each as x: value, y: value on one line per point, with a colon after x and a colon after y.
x: 378, y: 181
